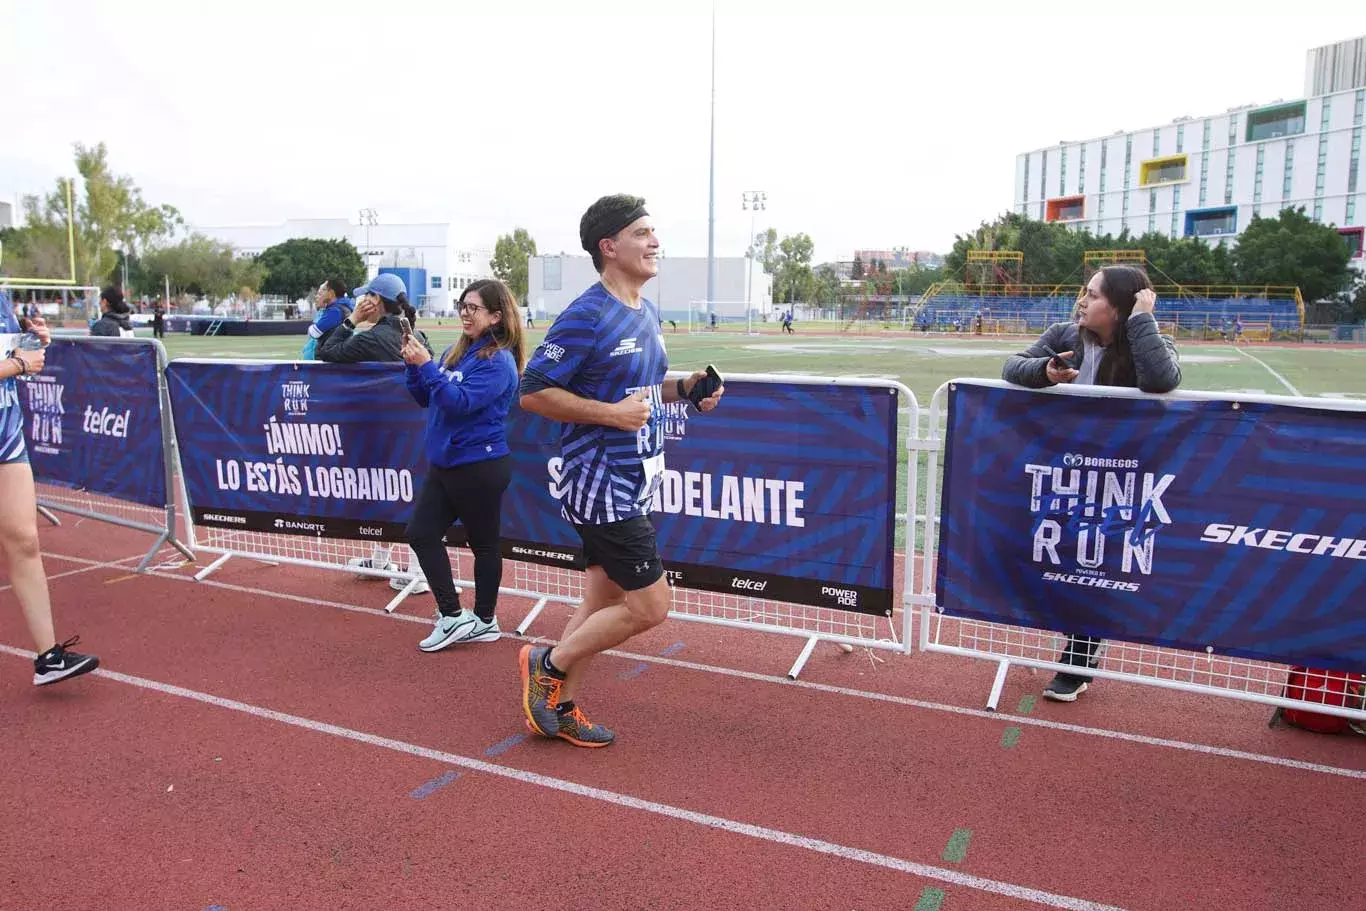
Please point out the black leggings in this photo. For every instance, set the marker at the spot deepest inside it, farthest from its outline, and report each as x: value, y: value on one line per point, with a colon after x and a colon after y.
x: 473, y: 496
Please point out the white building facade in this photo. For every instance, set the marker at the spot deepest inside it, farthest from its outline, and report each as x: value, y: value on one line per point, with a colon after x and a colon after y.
x: 1208, y: 176
x: 416, y: 246
x: 553, y: 282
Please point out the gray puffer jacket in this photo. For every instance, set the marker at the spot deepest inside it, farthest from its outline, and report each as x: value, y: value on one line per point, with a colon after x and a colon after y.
x: 1155, y: 358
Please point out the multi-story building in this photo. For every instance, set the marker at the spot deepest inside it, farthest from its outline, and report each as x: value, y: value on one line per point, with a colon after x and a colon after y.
x: 900, y: 258
x: 426, y: 247
x: 680, y: 288
x: 1208, y: 176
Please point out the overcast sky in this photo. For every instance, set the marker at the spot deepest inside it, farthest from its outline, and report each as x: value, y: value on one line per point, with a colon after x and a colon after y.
x: 868, y: 127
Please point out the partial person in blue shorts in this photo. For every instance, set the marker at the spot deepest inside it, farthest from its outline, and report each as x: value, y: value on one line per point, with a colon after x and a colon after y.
x: 334, y: 306
x: 19, y: 507
x: 600, y: 371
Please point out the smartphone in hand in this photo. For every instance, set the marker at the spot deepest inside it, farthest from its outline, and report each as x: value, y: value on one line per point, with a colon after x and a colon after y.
x: 1059, y: 362
x: 406, y: 326
x: 705, y: 387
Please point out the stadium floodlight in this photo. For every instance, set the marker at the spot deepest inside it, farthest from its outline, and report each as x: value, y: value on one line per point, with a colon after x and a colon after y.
x: 369, y: 218
x: 754, y: 202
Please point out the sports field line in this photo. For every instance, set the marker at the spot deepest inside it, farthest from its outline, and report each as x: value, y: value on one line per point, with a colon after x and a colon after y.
x: 1283, y: 381
x: 668, y: 811
x: 1019, y: 719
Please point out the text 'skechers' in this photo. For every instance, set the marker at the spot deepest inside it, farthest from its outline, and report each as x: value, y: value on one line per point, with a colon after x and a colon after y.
x: 789, y: 493
x: 1231, y: 525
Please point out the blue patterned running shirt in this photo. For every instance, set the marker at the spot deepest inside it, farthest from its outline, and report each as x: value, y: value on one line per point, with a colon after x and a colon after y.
x: 601, y: 349
x: 11, y: 418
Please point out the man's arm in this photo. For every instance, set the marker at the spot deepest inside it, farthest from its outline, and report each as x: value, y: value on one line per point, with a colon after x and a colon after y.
x: 562, y: 405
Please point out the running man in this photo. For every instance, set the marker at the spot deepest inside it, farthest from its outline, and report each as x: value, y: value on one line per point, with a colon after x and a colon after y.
x: 600, y: 371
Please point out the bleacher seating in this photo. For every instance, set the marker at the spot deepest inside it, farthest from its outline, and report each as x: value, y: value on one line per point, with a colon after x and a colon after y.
x: 1037, y: 312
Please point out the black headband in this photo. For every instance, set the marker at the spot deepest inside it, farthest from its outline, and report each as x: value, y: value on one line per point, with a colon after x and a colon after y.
x: 607, y: 226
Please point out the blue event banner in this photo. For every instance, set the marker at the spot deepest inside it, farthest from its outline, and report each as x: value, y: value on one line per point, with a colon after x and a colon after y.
x: 92, y: 419
x: 330, y: 450
x: 1233, y: 525
x: 788, y: 491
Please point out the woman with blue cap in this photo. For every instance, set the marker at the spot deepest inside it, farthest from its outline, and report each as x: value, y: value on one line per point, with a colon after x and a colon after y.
x: 382, y: 304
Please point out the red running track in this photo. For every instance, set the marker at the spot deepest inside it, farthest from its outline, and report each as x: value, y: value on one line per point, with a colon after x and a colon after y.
x: 255, y: 747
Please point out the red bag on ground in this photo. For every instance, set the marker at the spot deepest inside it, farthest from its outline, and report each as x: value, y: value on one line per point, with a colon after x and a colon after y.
x: 1337, y: 688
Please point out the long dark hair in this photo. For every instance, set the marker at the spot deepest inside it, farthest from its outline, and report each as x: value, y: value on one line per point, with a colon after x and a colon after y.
x: 1120, y: 285
x: 506, y: 334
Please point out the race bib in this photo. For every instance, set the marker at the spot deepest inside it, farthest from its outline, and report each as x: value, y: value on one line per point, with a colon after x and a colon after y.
x: 653, y: 469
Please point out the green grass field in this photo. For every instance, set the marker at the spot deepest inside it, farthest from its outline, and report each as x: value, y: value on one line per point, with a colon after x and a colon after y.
x: 922, y: 363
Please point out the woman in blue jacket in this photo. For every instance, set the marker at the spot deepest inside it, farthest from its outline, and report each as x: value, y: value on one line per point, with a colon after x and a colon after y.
x: 467, y: 395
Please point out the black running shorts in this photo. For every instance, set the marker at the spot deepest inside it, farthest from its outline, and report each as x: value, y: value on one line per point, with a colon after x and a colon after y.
x: 626, y: 551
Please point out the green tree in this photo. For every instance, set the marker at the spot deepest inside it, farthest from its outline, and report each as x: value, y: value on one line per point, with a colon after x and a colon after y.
x: 856, y: 270
x: 36, y: 250
x: 511, y: 255
x: 794, y: 277
x: 110, y: 217
x: 299, y: 265
x: 916, y: 280
x: 1292, y: 249
x: 203, y: 267
x: 825, y: 287
x: 764, y: 250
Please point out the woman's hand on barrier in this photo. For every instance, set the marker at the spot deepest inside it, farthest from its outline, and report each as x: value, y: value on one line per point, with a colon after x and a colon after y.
x: 34, y: 359
x: 1145, y: 301
x: 38, y: 326
x: 414, y: 352
x: 1056, y: 374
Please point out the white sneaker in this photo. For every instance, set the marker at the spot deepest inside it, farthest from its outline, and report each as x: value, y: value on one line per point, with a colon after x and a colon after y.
x: 421, y: 588
x: 370, y: 563
x: 461, y: 628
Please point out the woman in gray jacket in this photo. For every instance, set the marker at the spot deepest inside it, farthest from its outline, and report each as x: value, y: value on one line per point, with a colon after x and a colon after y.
x: 1114, y: 341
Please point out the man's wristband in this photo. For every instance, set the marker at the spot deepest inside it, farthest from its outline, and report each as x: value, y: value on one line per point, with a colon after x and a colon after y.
x: 348, y: 324
x: 23, y: 366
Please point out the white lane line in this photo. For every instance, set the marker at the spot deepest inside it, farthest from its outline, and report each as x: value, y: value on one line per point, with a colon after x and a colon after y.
x: 89, y: 565
x: 1162, y: 742
x: 1284, y: 382
x: 762, y: 833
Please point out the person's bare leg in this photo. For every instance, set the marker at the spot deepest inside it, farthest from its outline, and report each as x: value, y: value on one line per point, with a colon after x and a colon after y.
x: 599, y: 592
x: 19, y: 539
x: 609, y: 626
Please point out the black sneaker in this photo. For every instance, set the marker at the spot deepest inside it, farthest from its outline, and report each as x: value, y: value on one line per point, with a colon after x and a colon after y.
x: 1064, y: 688
x: 58, y: 664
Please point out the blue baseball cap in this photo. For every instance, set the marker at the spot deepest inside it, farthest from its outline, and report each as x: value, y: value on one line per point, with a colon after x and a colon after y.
x: 386, y: 285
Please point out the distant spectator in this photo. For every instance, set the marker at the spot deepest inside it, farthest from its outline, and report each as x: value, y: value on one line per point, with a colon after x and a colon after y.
x: 379, y: 305
x: 787, y: 322
x: 1113, y: 342
x: 333, y: 306
x: 159, y: 322
x: 114, y: 321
